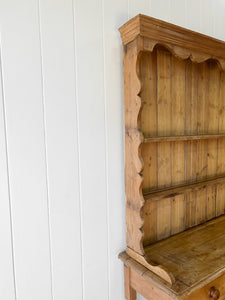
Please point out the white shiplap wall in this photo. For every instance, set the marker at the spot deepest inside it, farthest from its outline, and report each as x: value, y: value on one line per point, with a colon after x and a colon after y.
x: 62, y: 216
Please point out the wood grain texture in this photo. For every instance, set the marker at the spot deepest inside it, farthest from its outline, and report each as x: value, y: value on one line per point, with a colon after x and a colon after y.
x: 221, y: 125
x: 222, y: 103
x: 164, y: 165
x: 203, y: 293
x: 201, y: 199
x: 191, y: 98
x: 200, y: 260
x: 191, y: 164
x: 202, y: 159
x: 164, y: 109
x: 190, y: 205
x: 186, y: 43
x: 147, y: 283
x: 190, y: 210
x: 150, y: 265
x: 133, y: 139
x: 213, y: 117
x: 203, y: 95
x: 171, y: 191
x: 211, y: 201
x: 148, y: 78
x: 147, y: 289
x: 178, y: 120
x: 150, y: 223
x: 147, y: 75
x: 175, y: 136
x: 221, y: 155
x: 220, y: 204
x: 177, y: 211
x: 163, y: 218
x: 178, y: 163
x: 164, y: 92
x: 158, y: 139
x: 213, y: 97
x: 130, y: 293
x: 149, y: 153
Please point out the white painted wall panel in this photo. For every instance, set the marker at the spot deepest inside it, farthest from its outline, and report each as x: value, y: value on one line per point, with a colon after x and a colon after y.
x: 115, y: 14
x: 7, y: 287
x: 161, y: 9
x: 21, y: 71
x: 62, y: 89
x: 92, y: 146
x: 178, y: 12
x: 207, y: 17
x: 219, y: 19
x: 140, y: 7
x: 59, y: 93
x: 193, y: 15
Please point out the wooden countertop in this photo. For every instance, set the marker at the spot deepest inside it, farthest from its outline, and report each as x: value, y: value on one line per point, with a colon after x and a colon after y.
x: 195, y: 257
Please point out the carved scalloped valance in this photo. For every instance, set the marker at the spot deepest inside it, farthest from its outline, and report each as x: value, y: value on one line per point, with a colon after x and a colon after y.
x: 182, y: 42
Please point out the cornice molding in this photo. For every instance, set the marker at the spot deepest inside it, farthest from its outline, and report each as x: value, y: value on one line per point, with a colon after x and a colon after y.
x: 183, y: 42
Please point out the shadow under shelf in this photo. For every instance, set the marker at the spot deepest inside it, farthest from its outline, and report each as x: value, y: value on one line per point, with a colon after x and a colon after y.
x: 158, y: 139
x: 181, y: 189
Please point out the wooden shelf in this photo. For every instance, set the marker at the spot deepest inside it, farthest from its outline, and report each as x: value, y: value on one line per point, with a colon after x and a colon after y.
x: 174, y: 191
x: 158, y: 139
x: 194, y: 255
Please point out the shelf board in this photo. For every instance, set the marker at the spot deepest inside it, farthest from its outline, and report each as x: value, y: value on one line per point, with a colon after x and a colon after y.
x: 193, y: 256
x: 158, y: 139
x: 177, y: 190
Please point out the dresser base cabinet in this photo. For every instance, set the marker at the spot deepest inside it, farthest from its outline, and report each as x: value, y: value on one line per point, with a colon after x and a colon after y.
x: 195, y: 257
x: 138, y: 279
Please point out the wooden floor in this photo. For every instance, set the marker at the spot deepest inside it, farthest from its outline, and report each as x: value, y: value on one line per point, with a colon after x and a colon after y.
x: 194, y: 255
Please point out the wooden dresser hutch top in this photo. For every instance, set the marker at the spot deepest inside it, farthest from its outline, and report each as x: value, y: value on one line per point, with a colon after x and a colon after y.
x: 174, y: 108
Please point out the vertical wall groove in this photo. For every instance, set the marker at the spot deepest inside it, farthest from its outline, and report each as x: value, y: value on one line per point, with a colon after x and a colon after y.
x: 128, y: 9
x: 8, y: 175
x: 106, y: 143
x: 78, y: 148
x: 45, y: 148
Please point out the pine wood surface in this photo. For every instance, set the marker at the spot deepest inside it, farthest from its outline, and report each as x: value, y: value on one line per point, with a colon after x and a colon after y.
x: 176, y: 209
x: 194, y: 255
x: 152, y: 287
x: 174, y: 111
x: 176, y: 190
x: 182, y: 41
x: 158, y: 139
x: 133, y: 139
x: 190, y: 106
